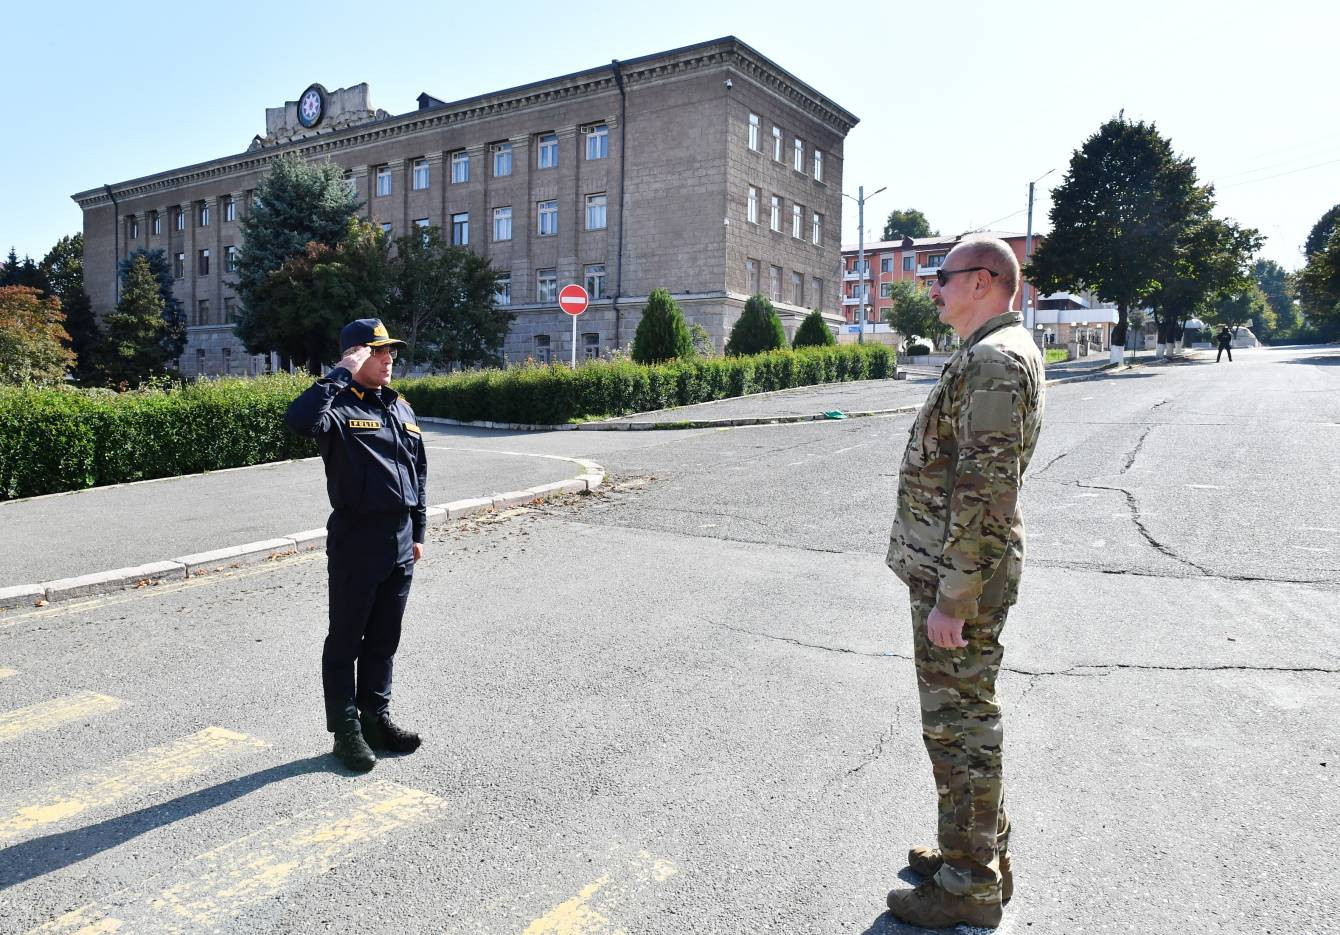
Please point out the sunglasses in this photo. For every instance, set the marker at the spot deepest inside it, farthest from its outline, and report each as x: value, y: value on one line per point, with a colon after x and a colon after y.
x: 942, y: 275
x: 391, y: 352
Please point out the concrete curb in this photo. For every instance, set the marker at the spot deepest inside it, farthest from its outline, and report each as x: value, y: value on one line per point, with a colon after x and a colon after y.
x: 668, y: 425
x: 235, y: 556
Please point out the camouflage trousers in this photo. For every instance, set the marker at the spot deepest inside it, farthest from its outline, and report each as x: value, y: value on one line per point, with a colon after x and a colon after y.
x: 960, y: 723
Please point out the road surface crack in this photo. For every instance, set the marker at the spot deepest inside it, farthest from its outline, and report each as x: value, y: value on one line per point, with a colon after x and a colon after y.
x: 1130, y: 458
x: 1134, y: 508
x: 878, y: 750
x: 795, y: 642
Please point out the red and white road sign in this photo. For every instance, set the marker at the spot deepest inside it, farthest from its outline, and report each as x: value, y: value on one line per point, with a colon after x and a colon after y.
x: 573, y: 299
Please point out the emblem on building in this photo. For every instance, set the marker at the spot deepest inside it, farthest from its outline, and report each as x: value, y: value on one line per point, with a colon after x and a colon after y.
x: 312, y: 106
x: 317, y: 111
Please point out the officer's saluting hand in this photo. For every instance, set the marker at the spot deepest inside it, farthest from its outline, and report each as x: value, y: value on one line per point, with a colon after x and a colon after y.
x: 376, y: 470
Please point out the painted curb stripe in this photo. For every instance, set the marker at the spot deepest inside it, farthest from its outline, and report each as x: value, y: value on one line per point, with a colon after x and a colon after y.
x: 588, y: 913
x: 53, y: 713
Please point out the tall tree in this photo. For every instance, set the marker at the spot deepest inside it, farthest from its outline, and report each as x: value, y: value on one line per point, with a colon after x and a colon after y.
x: 136, y: 332
x: 63, y: 267
x: 445, y: 302
x: 32, y: 338
x: 1278, y: 285
x: 22, y: 273
x: 914, y: 313
x: 662, y: 334
x: 758, y: 329
x: 814, y: 332
x: 174, y: 316
x: 1116, y: 217
x: 1247, y: 306
x: 297, y: 203
x: 1319, y: 279
x: 907, y: 222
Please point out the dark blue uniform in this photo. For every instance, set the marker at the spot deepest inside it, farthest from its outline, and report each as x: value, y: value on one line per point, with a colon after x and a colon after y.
x: 376, y: 469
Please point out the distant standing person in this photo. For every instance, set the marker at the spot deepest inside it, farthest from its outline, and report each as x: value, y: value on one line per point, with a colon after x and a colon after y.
x: 376, y: 469
x: 1225, y: 340
x: 958, y: 544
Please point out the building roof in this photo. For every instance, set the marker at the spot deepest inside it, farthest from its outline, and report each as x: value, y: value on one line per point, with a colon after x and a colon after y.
x: 921, y: 243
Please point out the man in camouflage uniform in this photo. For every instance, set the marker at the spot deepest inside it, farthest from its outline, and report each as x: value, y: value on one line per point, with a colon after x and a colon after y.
x: 958, y: 544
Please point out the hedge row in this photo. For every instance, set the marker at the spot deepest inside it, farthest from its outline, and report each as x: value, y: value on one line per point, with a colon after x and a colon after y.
x: 60, y: 439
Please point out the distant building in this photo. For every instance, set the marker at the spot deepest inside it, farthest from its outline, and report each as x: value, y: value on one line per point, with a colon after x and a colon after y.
x: 708, y: 170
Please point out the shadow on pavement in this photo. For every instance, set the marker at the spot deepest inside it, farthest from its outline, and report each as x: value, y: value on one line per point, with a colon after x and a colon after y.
x: 40, y: 856
x: 1332, y: 360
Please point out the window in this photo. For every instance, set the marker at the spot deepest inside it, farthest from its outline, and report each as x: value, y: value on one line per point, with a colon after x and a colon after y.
x: 179, y: 219
x: 935, y: 260
x: 798, y: 289
x: 546, y: 285
x: 179, y: 266
x: 817, y: 292
x: 590, y: 346
x: 204, y: 213
x: 351, y: 186
x: 797, y: 221
x: 751, y: 275
x: 229, y: 209
x: 460, y: 229
x: 909, y: 263
x: 419, y: 178
x: 134, y: 227
x: 597, y: 141
x: 777, y: 144
x: 886, y: 264
x: 886, y: 290
x: 818, y: 166
x: 595, y: 211
x: 542, y: 349
x: 798, y: 160
x: 202, y: 263
x: 230, y: 259
x: 502, y: 223
x: 383, y: 181
x: 752, y: 211
x: 230, y: 309
x: 503, y: 295
x: 420, y: 222
x: 776, y: 222
x: 547, y: 211
x: 460, y: 166
x: 155, y: 223
x: 502, y: 159
x: 817, y: 229
x: 595, y: 281
x: 386, y: 228
x: 753, y: 132
x: 202, y: 312
x: 775, y: 283
x: 200, y: 359
x: 227, y: 360
x: 547, y: 151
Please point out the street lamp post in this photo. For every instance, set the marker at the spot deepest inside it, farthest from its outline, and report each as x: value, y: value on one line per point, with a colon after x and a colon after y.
x: 1028, y: 244
x: 860, y: 200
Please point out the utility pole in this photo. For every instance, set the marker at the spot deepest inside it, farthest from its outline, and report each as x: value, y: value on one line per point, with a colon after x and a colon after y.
x: 860, y: 200
x: 1028, y: 247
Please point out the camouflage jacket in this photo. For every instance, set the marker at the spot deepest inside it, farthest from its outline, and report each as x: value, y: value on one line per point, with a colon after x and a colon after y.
x: 958, y: 530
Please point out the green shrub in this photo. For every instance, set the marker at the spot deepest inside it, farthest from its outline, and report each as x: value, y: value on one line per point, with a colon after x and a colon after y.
x: 662, y: 334
x: 813, y: 332
x: 758, y: 329
x: 918, y: 350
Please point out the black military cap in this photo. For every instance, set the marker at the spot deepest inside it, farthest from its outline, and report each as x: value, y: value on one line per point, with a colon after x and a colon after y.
x: 369, y: 331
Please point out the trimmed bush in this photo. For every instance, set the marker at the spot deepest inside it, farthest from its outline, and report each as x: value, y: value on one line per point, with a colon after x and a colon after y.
x: 757, y: 330
x: 662, y: 334
x: 813, y: 332
x: 918, y: 350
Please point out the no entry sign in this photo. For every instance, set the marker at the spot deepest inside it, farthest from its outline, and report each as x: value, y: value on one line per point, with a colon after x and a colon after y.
x: 573, y: 299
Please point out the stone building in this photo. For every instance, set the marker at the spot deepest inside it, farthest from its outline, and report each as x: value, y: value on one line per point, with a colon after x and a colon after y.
x: 707, y: 170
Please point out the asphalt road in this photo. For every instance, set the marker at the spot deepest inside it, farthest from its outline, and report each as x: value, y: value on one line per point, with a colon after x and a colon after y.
x: 685, y: 704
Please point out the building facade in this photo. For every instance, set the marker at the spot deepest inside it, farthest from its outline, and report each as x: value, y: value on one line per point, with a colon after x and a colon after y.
x: 708, y: 171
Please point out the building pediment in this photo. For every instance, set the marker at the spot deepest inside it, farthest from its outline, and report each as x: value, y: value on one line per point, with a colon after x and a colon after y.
x: 317, y: 111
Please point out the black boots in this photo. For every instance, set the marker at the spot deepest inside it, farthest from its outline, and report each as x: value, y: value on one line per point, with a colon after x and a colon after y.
x: 353, y: 751
x: 382, y: 733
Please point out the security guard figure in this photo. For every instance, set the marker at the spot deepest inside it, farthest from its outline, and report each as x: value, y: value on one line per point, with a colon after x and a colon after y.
x: 376, y: 469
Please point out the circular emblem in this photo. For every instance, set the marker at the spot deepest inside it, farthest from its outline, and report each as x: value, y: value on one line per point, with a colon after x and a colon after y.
x: 312, y: 106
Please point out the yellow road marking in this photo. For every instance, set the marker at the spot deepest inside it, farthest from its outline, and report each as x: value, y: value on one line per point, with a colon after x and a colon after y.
x: 6, y: 673
x: 216, y: 886
x: 57, y: 711
x: 588, y: 913
x: 148, y: 769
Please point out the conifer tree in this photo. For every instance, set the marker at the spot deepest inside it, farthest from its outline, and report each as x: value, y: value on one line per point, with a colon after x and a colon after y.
x: 662, y: 334
x: 134, y: 343
x: 757, y: 330
x: 813, y: 332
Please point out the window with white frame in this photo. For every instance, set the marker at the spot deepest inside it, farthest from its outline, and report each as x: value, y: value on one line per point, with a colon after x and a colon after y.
x: 595, y: 280
x: 460, y: 229
x: 775, y: 283
x: 134, y: 227
x: 420, y: 174
x: 936, y: 260
x: 753, y: 132
x: 798, y: 159
x: 502, y: 223
x: 544, y: 350
x: 751, y: 275
x: 546, y: 153
x: 547, y: 216
x: 229, y: 209
x: 155, y: 223
x: 797, y: 221
x: 590, y: 346
x: 179, y: 219
x: 420, y: 222
x: 597, y: 141
x: 179, y: 266
x: 777, y: 144
x: 751, y: 212
x: 817, y: 228
x: 595, y: 211
x: 503, y: 292
x: 818, y: 166
x: 798, y: 289
x: 203, y: 213
x: 776, y: 215
x: 383, y: 181
x: 386, y: 228
x: 886, y: 290
x: 909, y: 263
x: 546, y: 285
x: 230, y: 259
x: 460, y: 166
x: 886, y: 264
x: 502, y: 159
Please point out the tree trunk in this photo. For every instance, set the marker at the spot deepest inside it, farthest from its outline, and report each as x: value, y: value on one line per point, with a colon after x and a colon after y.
x: 314, y: 364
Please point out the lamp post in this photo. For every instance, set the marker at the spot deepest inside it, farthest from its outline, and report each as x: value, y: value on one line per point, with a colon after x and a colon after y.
x: 860, y: 200
x: 1028, y: 243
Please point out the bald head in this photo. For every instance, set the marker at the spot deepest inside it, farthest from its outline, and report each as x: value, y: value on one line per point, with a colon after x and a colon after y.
x: 994, y: 254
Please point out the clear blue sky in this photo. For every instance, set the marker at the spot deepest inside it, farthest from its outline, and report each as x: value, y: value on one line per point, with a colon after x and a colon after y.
x: 961, y: 104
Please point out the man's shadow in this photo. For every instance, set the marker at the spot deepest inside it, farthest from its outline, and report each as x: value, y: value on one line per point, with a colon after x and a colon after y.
x: 31, y: 859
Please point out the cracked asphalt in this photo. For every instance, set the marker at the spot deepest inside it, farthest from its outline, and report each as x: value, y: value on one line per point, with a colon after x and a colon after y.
x: 708, y: 663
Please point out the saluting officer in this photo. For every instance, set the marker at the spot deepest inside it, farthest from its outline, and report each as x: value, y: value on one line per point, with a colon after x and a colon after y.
x: 376, y: 469
x: 958, y: 544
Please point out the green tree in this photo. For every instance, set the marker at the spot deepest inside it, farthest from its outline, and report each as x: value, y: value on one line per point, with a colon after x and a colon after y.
x: 25, y: 273
x: 63, y: 267
x: 758, y: 329
x: 908, y: 222
x: 1247, y: 306
x: 312, y: 296
x: 702, y: 341
x: 1116, y: 218
x: 297, y: 203
x: 1319, y: 279
x: 136, y: 332
x: 814, y: 332
x: 1278, y: 285
x: 914, y: 313
x: 662, y: 334
x: 445, y: 302
x: 174, y: 316
x: 32, y: 338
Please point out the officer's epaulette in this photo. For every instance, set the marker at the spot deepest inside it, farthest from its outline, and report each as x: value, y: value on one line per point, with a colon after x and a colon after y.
x: 356, y: 391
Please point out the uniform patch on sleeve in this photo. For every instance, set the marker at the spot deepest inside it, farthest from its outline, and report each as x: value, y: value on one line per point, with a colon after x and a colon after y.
x: 364, y: 424
x: 413, y: 428
x: 991, y: 411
